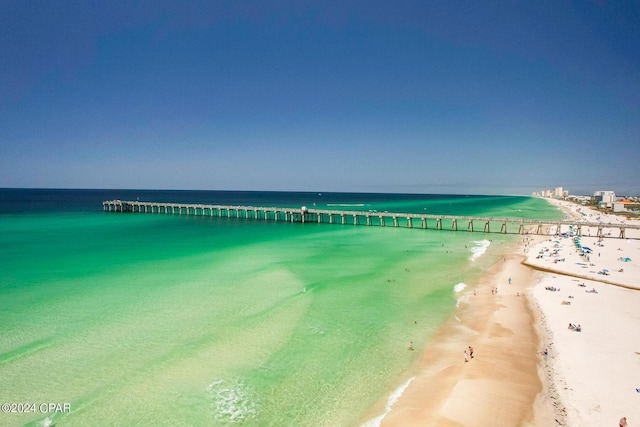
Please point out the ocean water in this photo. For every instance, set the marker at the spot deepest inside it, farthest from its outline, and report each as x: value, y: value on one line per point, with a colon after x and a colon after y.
x: 151, y: 319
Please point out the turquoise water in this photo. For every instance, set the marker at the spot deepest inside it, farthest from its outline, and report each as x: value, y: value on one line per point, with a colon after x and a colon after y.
x: 141, y: 319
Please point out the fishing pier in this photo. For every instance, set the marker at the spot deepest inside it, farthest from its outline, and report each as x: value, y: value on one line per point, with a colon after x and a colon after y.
x: 369, y: 218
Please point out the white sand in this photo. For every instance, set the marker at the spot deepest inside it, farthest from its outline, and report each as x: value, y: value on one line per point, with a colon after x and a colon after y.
x: 593, y: 374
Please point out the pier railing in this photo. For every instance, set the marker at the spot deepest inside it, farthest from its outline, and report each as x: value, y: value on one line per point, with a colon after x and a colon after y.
x: 371, y: 218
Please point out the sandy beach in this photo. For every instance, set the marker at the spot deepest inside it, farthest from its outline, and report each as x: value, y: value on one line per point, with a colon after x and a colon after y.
x: 595, y: 373
x: 528, y: 368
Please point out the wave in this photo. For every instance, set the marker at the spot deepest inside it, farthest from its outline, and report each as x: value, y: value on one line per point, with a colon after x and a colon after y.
x: 233, y: 402
x: 345, y: 204
x: 375, y: 422
x: 479, y: 248
x: 457, y: 289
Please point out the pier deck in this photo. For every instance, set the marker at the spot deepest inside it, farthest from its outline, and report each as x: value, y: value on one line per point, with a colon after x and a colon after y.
x: 372, y: 218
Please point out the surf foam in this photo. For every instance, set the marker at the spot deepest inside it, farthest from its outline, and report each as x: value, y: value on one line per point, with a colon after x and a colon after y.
x: 234, y: 402
x: 375, y: 422
x: 479, y: 248
x: 457, y: 289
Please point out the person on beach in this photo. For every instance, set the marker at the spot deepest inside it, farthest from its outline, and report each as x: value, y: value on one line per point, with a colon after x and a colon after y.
x: 411, y: 345
x: 471, y: 352
x: 465, y: 356
x: 509, y: 280
x: 623, y: 422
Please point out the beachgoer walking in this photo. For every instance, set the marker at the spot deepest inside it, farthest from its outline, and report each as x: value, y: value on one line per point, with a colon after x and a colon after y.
x: 411, y: 345
x: 509, y: 280
x: 471, y: 352
x: 465, y: 356
x: 623, y: 422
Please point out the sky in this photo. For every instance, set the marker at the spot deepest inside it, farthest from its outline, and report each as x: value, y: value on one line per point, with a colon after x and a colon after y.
x: 457, y: 97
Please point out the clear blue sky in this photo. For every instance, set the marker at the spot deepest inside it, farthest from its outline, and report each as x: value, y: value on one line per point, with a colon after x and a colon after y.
x: 497, y: 97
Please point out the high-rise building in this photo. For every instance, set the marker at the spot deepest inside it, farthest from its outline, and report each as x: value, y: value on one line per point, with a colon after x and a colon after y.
x: 557, y: 192
x: 604, y: 196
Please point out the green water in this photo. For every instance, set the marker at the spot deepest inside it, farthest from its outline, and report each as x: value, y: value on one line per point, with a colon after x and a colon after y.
x: 135, y: 319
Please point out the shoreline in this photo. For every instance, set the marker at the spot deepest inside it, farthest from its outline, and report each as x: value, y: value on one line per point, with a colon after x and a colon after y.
x: 501, y: 384
x: 511, y: 381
